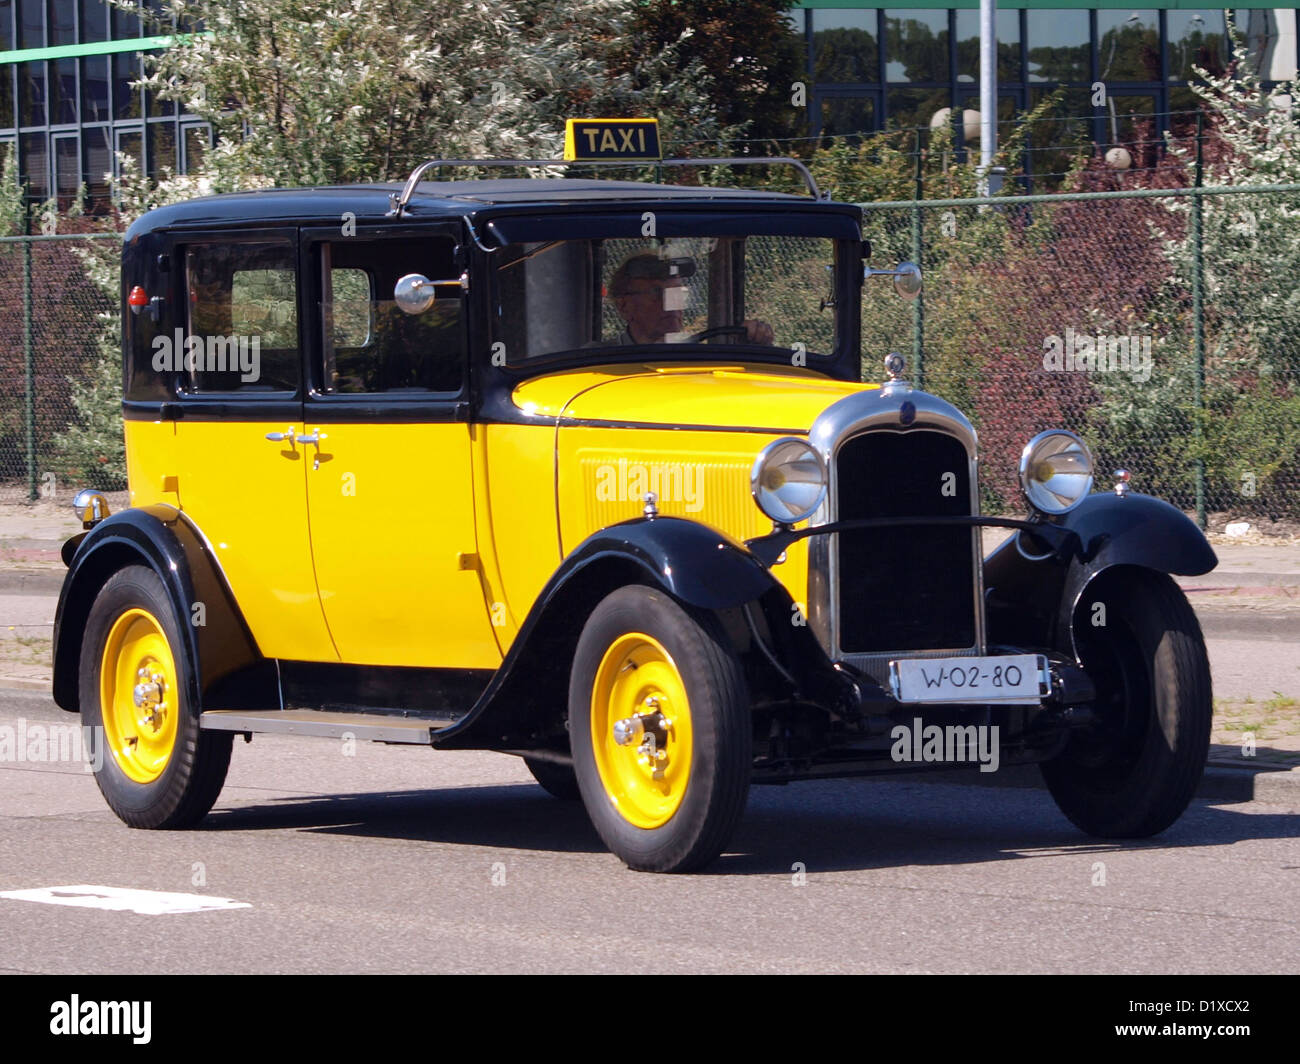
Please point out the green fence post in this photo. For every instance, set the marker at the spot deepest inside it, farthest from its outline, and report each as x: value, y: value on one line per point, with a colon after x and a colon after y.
x: 29, y: 372
x: 1198, y: 327
x: 918, y: 304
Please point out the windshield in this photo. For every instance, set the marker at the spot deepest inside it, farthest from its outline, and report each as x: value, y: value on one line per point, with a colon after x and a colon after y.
x: 761, y: 293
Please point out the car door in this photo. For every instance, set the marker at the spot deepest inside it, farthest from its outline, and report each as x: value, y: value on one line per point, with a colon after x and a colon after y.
x: 389, y: 481
x: 235, y: 357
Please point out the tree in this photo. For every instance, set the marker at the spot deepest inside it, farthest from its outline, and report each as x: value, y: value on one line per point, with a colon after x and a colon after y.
x: 309, y: 92
x: 748, y: 49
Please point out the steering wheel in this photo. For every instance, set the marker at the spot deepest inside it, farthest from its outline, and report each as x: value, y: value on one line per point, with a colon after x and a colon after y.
x: 719, y: 330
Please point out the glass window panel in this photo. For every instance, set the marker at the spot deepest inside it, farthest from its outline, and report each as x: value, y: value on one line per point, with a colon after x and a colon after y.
x: 94, y: 89
x: 374, y: 346
x: 1057, y: 141
x: 1128, y: 46
x: 126, y: 100
x: 848, y: 116
x: 845, y: 48
x: 243, y: 310
x: 94, y: 20
x: 7, y: 120
x: 160, y: 108
x: 67, y: 170
x: 36, y: 166
x: 1197, y: 38
x: 125, y: 23
x: 6, y: 25
x: 1272, y: 50
x: 1131, y: 122
x: 968, y: 45
x: 1059, y: 48
x: 915, y: 107
x: 31, y: 90
x: 197, y: 141
x: 155, y: 21
x: 98, y: 163
x: 129, y: 144
x: 162, y: 148
x: 63, y: 91
x: 916, y: 45
x: 31, y: 23
x: 62, y: 22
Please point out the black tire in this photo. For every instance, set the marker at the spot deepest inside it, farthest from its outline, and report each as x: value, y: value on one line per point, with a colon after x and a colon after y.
x: 711, y: 785
x: 188, y: 784
x: 557, y: 780
x: 1134, y: 773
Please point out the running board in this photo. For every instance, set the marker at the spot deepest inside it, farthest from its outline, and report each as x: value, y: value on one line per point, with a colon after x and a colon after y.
x: 374, y: 727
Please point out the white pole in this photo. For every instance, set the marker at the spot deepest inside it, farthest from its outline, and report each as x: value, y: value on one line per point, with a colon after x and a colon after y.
x: 988, y: 85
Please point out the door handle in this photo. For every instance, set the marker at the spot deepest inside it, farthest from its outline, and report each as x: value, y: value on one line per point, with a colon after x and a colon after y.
x: 278, y: 437
x: 315, y: 437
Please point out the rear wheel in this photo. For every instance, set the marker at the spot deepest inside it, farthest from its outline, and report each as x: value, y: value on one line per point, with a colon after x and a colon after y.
x: 156, y: 768
x: 1134, y: 773
x: 660, y: 730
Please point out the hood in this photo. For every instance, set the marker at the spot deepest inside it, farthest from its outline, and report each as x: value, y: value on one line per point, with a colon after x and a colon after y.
x: 712, y: 395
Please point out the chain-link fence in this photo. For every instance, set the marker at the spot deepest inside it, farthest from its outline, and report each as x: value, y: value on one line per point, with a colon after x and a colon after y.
x: 51, y: 323
x: 1163, y: 326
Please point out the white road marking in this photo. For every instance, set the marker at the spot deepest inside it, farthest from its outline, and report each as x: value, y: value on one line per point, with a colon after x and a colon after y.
x: 125, y: 899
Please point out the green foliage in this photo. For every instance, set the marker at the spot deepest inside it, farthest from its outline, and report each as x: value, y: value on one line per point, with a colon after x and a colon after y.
x: 13, y: 204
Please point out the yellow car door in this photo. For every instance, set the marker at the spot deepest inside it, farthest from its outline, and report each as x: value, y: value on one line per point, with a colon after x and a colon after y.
x: 239, y: 472
x: 390, y: 486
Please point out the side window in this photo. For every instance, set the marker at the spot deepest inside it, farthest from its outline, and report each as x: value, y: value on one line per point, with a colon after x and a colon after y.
x: 372, y: 346
x: 242, y: 318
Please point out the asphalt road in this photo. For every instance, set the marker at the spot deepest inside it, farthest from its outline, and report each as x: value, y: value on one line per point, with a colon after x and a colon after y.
x: 405, y: 860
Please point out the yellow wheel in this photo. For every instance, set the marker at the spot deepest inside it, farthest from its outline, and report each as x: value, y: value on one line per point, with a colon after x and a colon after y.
x: 137, y: 690
x: 153, y: 764
x: 641, y: 724
x: 659, y: 727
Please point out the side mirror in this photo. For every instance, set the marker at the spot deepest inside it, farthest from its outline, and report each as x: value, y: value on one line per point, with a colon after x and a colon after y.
x: 415, y: 293
x: 907, y: 278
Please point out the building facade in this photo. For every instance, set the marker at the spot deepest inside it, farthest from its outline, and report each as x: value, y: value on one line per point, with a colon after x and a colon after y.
x: 66, y: 102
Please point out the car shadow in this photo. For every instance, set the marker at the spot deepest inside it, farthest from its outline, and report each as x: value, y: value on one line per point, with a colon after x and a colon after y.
x: 831, y: 825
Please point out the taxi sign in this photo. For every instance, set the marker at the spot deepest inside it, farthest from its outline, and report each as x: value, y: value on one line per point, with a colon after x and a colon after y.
x: 597, y: 139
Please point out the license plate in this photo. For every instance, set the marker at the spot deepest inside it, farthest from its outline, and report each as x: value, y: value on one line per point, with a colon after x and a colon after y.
x: 1015, y: 679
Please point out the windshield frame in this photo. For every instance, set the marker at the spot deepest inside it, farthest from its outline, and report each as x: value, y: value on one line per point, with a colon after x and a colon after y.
x: 838, y: 223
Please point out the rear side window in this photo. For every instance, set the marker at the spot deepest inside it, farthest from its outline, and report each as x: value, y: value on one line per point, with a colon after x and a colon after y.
x: 241, y: 319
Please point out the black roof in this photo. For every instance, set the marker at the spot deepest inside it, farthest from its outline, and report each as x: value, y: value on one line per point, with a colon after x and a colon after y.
x: 445, y: 198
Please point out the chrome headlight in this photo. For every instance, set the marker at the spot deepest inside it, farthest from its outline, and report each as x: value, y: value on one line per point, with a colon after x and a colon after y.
x: 788, y: 480
x: 1056, y: 471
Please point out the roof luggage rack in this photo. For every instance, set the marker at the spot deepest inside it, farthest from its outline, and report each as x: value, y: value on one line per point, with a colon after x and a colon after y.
x: 400, y: 200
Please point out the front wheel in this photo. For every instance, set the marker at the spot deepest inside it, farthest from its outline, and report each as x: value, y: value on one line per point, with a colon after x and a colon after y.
x: 155, y: 767
x: 1136, y: 770
x: 660, y: 731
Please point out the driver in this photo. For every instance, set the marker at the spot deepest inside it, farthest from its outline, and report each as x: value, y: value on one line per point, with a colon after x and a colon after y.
x: 649, y: 294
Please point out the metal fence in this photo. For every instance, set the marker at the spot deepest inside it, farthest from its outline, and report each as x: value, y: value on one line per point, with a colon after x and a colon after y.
x: 51, y: 330
x: 1161, y: 325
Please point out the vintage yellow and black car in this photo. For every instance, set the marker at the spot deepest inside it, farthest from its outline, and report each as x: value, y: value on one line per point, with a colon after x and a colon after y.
x: 584, y: 471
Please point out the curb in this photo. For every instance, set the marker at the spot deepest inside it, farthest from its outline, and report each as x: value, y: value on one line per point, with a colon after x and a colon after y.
x: 31, y: 581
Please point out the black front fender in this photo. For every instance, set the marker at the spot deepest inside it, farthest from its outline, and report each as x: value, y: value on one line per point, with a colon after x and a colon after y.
x: 162, y: 539
x: 692, y: 562
x: 1032, y: 603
